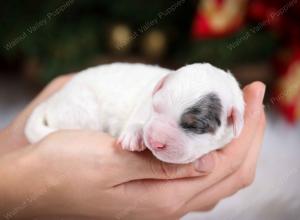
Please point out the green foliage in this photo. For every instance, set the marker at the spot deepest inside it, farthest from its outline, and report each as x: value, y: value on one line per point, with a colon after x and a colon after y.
x: 242, y: 47
x: 69, y: 39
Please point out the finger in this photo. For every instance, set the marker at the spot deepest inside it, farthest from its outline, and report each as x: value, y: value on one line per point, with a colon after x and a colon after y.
x: 175, y: 192
x: 124, y: 166
x: 233, y: 154
x: 234, y: 182
x: 229, y: 159
x: 207, y: 208
x: 247, y: 172
x: 144, y: 165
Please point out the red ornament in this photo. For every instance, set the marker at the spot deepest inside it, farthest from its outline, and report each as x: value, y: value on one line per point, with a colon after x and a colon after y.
x: 286, y: 94
x: 217, y: 18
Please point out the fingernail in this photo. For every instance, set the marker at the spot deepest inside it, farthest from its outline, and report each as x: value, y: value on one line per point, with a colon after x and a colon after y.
x: 205, y: 164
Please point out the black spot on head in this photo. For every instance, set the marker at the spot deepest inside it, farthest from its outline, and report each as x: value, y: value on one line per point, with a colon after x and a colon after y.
x: 203, y: 116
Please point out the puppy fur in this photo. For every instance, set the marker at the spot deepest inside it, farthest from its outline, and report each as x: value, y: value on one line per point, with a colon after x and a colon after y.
x: 178, y: 115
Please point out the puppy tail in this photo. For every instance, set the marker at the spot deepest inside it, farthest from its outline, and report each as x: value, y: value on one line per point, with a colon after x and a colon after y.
x: 37, y: 126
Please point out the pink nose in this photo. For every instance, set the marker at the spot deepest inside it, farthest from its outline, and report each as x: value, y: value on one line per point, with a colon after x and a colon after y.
x: 157, y: 145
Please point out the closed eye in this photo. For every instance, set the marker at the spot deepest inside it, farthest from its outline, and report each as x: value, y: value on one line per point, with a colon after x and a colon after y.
x: 191, y: 121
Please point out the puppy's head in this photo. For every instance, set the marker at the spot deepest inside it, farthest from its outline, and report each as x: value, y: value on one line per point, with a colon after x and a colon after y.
x: 195, y: 109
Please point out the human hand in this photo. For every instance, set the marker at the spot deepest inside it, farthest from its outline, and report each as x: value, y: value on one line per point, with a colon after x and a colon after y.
x: 158, y: 198
x: 238, y: 159
x: 231, y: 168
x: 88, y: 174
x: 55, y: 149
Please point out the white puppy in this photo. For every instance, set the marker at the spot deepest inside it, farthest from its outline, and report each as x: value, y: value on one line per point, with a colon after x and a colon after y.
x: 178, y: 115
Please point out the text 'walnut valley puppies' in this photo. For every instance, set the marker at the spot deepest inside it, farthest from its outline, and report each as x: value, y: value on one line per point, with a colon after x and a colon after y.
x: 178, y: 115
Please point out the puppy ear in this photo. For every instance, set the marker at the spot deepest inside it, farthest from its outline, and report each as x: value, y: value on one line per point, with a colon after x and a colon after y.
x: 159, y: 85
x: 236, y: 120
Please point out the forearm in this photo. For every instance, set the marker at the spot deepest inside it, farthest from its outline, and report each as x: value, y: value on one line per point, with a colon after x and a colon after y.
x: 22, y: 186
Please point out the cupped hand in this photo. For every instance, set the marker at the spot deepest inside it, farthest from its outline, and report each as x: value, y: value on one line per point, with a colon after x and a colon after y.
x: 231, y: 169
x: 89, y: 175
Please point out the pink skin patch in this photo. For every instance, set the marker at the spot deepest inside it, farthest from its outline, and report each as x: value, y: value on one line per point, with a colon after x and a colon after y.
x: 164, y: 138
x: 159, y: 85
x: 156, y: 144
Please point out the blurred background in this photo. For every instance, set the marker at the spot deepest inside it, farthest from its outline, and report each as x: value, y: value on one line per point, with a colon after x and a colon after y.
x: 256, y: 40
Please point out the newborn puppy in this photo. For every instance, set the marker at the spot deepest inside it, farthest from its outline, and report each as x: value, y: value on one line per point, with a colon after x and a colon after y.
x: 178, y: 115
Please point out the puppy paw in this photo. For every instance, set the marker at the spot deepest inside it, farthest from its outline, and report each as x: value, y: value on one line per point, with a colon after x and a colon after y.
x: 132, y: 139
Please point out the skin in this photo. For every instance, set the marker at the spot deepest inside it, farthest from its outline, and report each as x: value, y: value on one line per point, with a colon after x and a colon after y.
x: 86, y: 174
